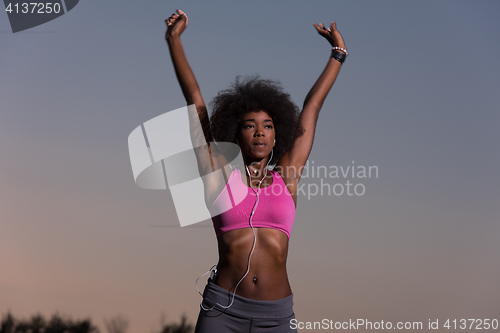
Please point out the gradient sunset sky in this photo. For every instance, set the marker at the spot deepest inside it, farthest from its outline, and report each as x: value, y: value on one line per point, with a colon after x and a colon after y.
x: 417, y: 98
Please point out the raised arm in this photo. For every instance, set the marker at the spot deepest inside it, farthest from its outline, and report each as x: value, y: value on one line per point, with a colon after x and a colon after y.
x: 208, y: 157
x: 176, y: 24
x: 296, y: 156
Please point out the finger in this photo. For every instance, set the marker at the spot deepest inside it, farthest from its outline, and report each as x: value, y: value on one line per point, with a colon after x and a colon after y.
x: 319, y: 30
x: 322, y: 26
x: 182, y: 14
x: 333, y: 26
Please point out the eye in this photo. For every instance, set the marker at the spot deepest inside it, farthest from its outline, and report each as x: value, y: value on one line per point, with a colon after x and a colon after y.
x: 269, y: 126
x: 248, y: 126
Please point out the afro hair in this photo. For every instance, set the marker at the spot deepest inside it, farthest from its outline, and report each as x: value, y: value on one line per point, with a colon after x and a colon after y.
x: 255, y: 94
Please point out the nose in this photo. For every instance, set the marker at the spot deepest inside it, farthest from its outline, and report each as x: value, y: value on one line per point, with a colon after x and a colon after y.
x: 259, y: 131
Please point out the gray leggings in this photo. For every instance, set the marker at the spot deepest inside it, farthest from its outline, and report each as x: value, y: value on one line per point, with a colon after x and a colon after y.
x: 245, y: 315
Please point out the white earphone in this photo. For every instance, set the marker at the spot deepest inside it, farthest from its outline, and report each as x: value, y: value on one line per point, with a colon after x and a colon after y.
x: 253, y: 244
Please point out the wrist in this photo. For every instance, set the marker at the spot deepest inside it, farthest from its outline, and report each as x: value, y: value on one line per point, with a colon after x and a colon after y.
x: 341, y: 49
x: 339, y: 56
x: 173, y: 38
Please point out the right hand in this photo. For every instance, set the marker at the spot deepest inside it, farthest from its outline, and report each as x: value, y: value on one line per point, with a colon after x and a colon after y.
x: 331, y: 34
x: 176, y: 24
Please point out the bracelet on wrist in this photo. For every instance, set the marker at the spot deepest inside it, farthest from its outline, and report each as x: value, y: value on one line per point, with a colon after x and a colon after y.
x: 339, y: 56
x: 335, y: 48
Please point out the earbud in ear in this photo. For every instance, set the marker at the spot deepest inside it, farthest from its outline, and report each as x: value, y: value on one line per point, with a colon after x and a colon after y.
x: 274, y: 142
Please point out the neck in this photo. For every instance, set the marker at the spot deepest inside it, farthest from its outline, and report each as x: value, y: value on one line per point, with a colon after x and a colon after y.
x: 259, y: 174
x: 257, y: 168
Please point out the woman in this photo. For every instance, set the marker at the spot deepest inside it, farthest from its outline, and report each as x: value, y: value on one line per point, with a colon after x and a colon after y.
x: 249, y: 290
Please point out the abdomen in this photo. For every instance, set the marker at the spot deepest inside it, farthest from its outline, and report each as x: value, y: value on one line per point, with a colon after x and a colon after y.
x: 267, y: 265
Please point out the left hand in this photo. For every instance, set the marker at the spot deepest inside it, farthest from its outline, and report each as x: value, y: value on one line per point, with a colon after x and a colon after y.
x: 331, y: 34
x: 176, y: 24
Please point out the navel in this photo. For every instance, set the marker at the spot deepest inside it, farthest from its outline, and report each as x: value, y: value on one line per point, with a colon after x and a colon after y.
x: 254, y: 278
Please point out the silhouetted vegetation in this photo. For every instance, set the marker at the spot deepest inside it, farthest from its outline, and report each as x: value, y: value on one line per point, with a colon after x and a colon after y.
x: 117, y: 324
x: 183, y: 327
x: 58, y: 324
x: 38, y: 324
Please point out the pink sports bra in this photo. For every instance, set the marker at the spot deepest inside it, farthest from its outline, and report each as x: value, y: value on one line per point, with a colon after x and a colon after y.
x: 234, y: 204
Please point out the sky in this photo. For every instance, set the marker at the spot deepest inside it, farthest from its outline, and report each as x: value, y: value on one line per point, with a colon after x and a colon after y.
x: 417, y: 99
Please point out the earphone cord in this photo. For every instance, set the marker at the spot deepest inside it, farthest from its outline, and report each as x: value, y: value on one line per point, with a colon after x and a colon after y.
x: 253, y: 244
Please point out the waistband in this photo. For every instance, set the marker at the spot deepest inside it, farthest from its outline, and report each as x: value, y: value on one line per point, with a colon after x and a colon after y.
x: 245, y: 307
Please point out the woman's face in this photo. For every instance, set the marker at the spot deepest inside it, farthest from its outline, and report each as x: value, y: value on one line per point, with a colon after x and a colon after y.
x: 256, y: 135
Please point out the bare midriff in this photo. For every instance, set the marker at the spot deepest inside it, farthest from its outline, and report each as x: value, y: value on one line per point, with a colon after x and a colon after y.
x: 267, y: 279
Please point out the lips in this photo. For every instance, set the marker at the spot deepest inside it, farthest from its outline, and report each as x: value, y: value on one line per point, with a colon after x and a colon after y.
x: 260, y: 144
